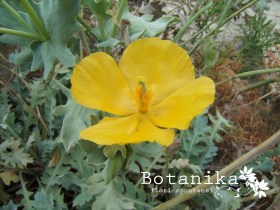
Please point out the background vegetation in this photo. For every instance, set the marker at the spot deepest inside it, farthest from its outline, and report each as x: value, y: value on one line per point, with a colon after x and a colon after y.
x: 44, y: 164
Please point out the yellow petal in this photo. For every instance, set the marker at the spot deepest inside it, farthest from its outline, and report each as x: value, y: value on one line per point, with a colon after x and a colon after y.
x: 97, y: 83
x: 178, y: 109
x: 164, y: 65
x: 123, y: 130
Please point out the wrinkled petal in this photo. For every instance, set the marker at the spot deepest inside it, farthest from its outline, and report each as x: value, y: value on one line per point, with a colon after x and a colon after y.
x: 165, y: 66
x: 131, y: 129
x: 97, y: 83
x: 178, y: 109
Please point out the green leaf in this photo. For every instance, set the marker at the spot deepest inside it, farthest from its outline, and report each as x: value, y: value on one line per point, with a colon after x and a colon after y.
x: 14, y: 155
x: 99, y: 7
x: 38, y: 93
x: 7, y: 20
x: 26, y: 202
x: 8, y: 177
x: 95, y: 155
x: 76, y: 119
x: 138, y: 27
x: 137, y: 195
x: 227, y: 199
x: 10, y: 206
x: 219, y: 124
x: 59, y: 20
x: 116, y: 202
x: 58, y: 198
x: 209, y: 53
x: 144, y: 26
x: 144, y: 154
x: 82, y: 198
x: 197, y: 143
x: 113, y: 167
x: 43, y: 201
x: 111, y: 42
x: 110, y: 151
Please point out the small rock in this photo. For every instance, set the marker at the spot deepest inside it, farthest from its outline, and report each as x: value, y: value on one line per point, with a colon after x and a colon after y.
x: 250, y: 12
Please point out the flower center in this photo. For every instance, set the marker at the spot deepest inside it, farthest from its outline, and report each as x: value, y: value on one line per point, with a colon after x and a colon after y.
x: 142, y: 95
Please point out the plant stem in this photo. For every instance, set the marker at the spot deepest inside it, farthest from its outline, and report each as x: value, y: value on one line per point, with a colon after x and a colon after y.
x: 223, y: 23
x: 260, y: 84
x: 271, y: 141
x: 250, y: 73
x: 101, y: 27
x: 35, y: 18
x: 15, y: 14
x: 222, y: 17
x: 269, y: 192
x: 200, y: 31
x: 21, y: 33
x: 83, y: 23
x: 86, y: 26
x: 139, y: 202
x: 55, y: 171
x: 84, y: 42
x: 190, y: 21
x: 118, y: 17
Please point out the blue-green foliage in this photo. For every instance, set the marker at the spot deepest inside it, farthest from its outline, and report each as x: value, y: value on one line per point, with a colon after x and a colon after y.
x: 198, y: 142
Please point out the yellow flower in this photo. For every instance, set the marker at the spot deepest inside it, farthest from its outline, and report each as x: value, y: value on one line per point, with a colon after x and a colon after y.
x: 151, y: 91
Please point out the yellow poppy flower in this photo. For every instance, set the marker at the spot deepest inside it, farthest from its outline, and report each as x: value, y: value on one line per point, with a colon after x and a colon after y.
x: 151, y: 91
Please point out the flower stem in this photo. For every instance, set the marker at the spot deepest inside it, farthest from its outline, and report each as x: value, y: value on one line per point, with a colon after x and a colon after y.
x: 190, y: 21
x: 21, y: 33
x: 271, y: 141
x: 250, y: 73
x: 14, y: 13
x: 35, y: 18
x: 120, y: 11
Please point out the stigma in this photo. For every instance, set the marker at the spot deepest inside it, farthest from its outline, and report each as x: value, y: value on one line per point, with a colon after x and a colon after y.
x: 142, y: 95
